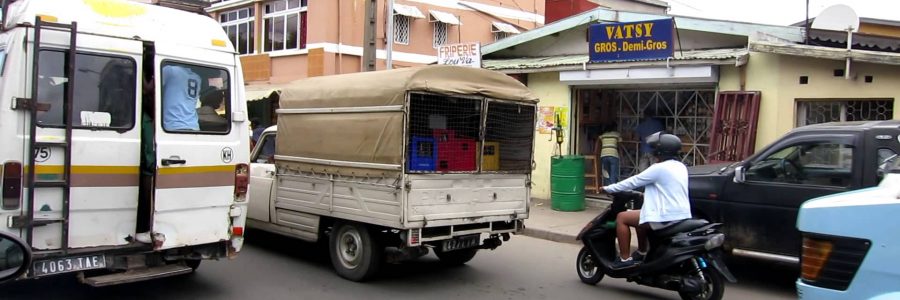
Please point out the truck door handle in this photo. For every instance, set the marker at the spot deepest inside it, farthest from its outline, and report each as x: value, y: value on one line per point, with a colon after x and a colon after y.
x: 173, y: 161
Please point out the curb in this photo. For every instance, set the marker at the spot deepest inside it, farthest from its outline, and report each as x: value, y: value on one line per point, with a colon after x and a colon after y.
x: 550, y: 235
x: 563, y: 237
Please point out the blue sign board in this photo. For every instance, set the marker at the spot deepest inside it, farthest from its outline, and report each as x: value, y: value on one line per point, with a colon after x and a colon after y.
x: 645, y: 40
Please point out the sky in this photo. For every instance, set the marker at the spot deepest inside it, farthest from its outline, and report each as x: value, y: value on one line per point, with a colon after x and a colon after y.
x: 779, y: 12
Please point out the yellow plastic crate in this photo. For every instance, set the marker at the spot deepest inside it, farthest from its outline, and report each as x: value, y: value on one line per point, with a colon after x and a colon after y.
x: 490, y: 161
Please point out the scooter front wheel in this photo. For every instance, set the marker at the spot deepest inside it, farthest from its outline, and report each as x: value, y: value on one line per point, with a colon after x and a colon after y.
x: 587, y: 267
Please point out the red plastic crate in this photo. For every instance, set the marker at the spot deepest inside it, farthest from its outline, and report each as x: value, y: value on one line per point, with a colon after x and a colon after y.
x: 456, y: 154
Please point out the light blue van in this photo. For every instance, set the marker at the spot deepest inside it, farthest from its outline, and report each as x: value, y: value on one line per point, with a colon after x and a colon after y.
x: 851, y: 244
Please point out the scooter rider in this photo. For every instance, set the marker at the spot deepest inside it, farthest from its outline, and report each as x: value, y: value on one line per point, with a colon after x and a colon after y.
x: 665, y: 198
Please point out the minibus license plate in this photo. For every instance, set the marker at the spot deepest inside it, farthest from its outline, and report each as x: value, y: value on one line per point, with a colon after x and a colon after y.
x: 68, y: 264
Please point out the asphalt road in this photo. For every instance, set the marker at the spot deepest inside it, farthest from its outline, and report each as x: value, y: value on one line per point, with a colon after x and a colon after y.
x: 272, y: 267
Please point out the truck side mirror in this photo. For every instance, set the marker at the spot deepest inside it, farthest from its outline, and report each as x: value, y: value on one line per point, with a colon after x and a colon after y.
x: 15, y: 257
x: 739, y: 174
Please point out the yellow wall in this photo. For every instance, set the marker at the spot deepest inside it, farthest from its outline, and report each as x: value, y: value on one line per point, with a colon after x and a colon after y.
x: 778, y: 78
x: 552, y: 93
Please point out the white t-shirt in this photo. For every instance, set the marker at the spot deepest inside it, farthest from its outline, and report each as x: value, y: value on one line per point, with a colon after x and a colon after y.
x: 666, y: 192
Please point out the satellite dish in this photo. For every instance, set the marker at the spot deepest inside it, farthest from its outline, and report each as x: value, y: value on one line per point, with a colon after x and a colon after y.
x: 838, y: 17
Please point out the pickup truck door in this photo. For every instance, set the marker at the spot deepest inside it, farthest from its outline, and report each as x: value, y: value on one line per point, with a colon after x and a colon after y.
x: 762, y: 213
x: 262, y: 176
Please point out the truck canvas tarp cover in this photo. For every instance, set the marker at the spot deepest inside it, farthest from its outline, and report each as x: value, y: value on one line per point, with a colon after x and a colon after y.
x: 313, y: 142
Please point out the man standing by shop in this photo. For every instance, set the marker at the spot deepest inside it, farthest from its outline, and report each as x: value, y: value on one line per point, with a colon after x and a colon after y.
x: 648, y: 126
x: 609, y: 155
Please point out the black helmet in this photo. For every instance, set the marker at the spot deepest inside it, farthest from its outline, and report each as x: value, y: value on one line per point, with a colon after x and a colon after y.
x: 664, y: 144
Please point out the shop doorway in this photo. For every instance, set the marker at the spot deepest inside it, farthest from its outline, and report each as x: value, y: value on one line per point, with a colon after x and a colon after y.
x: 685, y: 112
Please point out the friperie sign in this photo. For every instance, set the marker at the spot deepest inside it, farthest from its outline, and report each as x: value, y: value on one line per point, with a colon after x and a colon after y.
x: 465, y: 55
x: 644, y: 40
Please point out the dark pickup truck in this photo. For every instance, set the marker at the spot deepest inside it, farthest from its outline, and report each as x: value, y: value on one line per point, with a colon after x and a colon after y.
x: 758, y: 199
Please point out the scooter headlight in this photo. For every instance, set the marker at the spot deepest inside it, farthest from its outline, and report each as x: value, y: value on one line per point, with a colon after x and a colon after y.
x: 715, y: 241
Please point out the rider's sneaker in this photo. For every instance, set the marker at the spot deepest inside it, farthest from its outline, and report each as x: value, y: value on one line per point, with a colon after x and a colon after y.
x: 638, y: 256
x: 621, y: 264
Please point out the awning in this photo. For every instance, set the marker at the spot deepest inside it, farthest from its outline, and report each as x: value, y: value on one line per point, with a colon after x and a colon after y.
x: 254, y: 93
x: 503, y: 27
x: 408, y: 10
x: 439, y: 16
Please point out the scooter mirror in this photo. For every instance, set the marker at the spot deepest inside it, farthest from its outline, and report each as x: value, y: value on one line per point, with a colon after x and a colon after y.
x: 15, y: 257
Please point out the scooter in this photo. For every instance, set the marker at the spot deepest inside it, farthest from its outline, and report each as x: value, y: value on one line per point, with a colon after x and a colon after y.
x: 684, y: 256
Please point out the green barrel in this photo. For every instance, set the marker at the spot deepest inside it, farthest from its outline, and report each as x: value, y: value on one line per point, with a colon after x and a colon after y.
x: 567, y: 183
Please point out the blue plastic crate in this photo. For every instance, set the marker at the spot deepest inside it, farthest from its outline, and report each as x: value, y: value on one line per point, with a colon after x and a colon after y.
x: 422, y: 154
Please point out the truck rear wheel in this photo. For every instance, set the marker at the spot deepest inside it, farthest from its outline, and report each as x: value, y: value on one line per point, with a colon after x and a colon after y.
x: 455, y: 257
x: 355, y: 254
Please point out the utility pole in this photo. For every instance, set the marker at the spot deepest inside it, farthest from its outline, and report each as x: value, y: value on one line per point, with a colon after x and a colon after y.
x: 368, y: 58
x: 389, y: 35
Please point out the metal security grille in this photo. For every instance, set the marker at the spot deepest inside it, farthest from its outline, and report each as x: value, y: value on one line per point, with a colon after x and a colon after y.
x: 508, y: 137
x: 814, y: 112
x: 685, y: 113
x: 401, y: 29
x: 467, y: 135
x: 733, y: 135
x: 440, y: 34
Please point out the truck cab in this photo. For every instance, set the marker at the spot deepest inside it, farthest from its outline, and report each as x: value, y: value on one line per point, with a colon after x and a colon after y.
x: 758, y: 199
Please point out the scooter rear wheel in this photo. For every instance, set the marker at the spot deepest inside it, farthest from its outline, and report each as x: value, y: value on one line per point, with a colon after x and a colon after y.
x: 714, y: 289
x: 587, y: 268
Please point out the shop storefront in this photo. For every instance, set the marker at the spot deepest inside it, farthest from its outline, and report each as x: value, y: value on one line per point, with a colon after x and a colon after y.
x: 726, y: 89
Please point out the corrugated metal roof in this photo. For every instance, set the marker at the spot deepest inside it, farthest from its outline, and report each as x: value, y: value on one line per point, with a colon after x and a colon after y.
x: 790, y: 33
x: 579, y: 59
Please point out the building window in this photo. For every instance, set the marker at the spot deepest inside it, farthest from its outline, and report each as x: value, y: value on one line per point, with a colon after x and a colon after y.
x: 503, y: 30
x: 284, y: 25
x: 501, y: 35
x: 239, y: 26
x: 401, y: 29
x: 815, y: 112
x: 440, y: 34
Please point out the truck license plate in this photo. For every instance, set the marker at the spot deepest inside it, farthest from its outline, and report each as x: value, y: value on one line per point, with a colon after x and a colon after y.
x: 68, y: 264
x: 462, y: 242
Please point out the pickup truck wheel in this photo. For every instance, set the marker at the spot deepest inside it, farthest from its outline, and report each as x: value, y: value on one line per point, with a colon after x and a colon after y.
x: 355, y: 254
x: 456, y: 257
x: 587, y: 267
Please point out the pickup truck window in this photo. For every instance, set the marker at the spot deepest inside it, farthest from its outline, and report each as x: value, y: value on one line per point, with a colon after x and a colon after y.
x: 816, y: 163
x: 265, y: 149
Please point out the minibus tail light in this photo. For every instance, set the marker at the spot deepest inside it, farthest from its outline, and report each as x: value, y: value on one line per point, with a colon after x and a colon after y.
x: 241, y: 181
x: 12, y: 185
